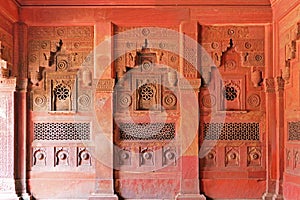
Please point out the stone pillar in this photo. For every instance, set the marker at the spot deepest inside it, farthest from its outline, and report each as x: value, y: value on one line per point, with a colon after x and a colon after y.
x: 104, y: 184
x: 279, y: 149
x: 271, y: 138
x: 7, y: 133
x: 189, y: 138
x: 21, y: 153
x: 20, y: 35
x: 189, y: 111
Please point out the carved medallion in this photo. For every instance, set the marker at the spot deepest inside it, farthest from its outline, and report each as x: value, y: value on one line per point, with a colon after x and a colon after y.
x: 254, y: 100
x: 208, y: 101
x: 40, y: 100
x: 84, y: 100
x: 125, y: 100
x: 169, y: 100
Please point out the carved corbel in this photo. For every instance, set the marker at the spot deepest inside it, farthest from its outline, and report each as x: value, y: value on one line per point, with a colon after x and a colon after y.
x: 279, y: 84
x: 269, y: 85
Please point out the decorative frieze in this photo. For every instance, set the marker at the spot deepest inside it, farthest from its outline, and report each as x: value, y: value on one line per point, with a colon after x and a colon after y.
x: 105, y: 85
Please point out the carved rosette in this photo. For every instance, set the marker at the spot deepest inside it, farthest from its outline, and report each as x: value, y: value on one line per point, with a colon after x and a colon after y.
x: 169, y: 156
x: 124, y: 101
x: 254, y: 156
x: 208, y: 100
x: 62, y: 156
x: 124, y: 156
x: 39, y: 157
x: 84, y: 157
x: 169, y: 101
x: 210, y: 159
x: 146, y: 157
x: 232, y: 157
x: 254, y: 100
x: 84, y: 102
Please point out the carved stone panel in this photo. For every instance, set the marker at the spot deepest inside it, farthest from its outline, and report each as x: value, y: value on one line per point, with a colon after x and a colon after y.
x: 7, y: 139
x: 254, y: 156
x: 232, y: 157
x: 62, y: 91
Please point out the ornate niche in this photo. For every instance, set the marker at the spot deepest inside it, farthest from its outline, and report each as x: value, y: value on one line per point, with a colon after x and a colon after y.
x: 146, y: 86
x: 61, y: 90
x: 60, y: 68
x: 238, y: 54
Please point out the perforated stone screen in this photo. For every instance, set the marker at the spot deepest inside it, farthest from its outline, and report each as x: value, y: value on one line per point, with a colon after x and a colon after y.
x: 294, y: 130
x: 62, y: 131
x: 147, y: 131
x: 231, y: 131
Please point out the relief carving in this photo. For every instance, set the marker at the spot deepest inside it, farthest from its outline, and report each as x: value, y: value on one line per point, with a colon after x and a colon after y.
x: 232, y: 94
x: 146, y: 157
x: 256, y: 77
x: 39, y: 157
x: 290, y: 50
x: 61, y: 95
x: 254, y: 100
x: 124, y: 157
x: 269, y: 85
x: 147, y: 97
x: 210, y: 159
x: 232, y: 157
x: 248, y: 42
x: 84, y: 157
x: 254, y: 156
x: 62, y: 156
x: 169, y: 156
x: 289, y: 162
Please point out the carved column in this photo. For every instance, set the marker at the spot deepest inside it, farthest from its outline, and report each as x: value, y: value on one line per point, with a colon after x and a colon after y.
x: 190, y: 183
x: 21, y: 106
x: 7, y: 132
x: 104, y: 185
x: 271, y: 139
x: 21, y: 118
x: 279, y: 149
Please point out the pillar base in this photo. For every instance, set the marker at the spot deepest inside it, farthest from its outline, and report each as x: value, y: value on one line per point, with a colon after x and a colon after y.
x: 190, y: 197
x: 103, y: 197
x: 272, y: 196
x: 25, y: 196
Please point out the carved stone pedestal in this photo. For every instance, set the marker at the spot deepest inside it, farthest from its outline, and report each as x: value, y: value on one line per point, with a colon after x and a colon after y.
x: 7, y: 181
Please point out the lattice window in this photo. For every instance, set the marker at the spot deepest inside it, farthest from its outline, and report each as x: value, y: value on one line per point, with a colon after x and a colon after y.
x: 146, y: 92
x: 147, y: 131
x: 61, y: 92
x: 231, y: 131
x: 230, y: 93
x: 62, y: 131
x: 294, y: 130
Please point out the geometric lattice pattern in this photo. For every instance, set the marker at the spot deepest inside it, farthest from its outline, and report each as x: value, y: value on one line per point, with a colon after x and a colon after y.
x: 62, y: 131
x: 231, y: 131
x: 294, y: 130
x: 147, y: 131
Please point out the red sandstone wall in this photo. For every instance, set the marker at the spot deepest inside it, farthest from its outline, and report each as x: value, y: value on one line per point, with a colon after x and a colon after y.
x: 286, y: 57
